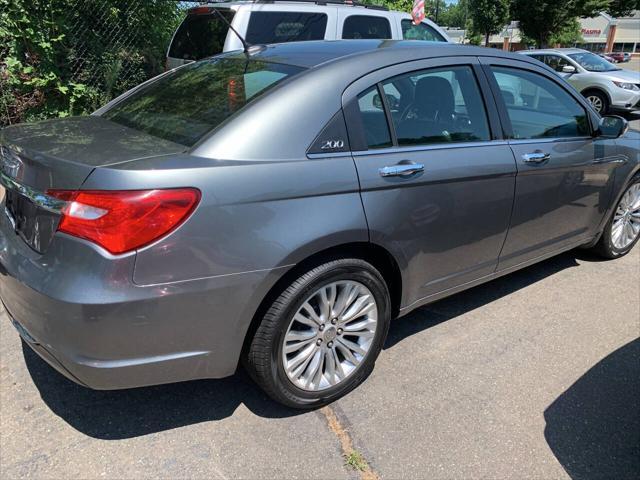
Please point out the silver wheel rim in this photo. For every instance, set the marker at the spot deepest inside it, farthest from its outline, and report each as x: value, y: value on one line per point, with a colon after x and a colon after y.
x: 596, y: 102
x: 330, y: 335
x: 626, y: 222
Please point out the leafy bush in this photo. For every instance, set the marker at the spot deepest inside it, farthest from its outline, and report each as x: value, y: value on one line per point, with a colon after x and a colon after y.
x: 67, y: 57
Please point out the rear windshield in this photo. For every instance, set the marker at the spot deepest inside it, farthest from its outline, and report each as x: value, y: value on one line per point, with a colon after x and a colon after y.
x: 188, y: 103
x: 200, y: 36
x: 282, y: 27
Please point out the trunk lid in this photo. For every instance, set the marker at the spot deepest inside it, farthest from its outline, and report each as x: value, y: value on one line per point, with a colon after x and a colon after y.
x: 60, y: 154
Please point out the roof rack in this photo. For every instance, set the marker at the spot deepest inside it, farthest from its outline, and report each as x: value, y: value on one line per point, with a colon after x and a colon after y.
x: 354, y: 3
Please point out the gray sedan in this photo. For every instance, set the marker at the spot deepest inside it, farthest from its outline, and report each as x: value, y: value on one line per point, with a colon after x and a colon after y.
x: 280, y: 206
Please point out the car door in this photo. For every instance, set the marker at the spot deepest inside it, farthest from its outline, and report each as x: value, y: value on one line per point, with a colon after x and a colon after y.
x: 564, y: 173
x: 436, y: 178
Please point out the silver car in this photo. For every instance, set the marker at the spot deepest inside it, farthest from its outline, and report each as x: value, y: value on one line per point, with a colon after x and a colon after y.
x: 608, y: 87
x: 280, y: 206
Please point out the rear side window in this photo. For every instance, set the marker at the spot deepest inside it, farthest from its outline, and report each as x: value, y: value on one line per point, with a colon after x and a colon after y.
x: 539, y: 107
x: 200, y: 36
x: 374, y: 120
x: 191, y: 101
x: 282, y: 27
x: 365, y: 26
x: 421, y: 31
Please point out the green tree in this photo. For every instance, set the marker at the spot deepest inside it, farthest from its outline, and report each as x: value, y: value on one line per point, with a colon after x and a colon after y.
x: 570, y: 34
x: 489, y: 16
x: 540, y: 20
x: 621, y: 8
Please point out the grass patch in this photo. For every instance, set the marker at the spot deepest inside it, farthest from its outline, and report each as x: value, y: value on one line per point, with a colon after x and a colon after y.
x: 356, y: 461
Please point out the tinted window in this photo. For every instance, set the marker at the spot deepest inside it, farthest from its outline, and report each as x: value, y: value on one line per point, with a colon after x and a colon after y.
x: 200, y: 36
x: 374, y: 120
x: 441, y: 105
x: 539, y: 107
x: 363, y: 26
x: 556, y: 62
x: 281, y: 27
x: 191, y: 101
x: 420, y: 32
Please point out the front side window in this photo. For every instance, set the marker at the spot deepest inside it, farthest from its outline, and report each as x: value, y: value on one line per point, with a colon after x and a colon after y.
x: 365, y: 27
x: 421, y: 31
x: 556, y: 62
x: 201, y: 36
x: 538, y: 107
x: 282, y: 27
x: 440, y: 105
x: 189, y: 102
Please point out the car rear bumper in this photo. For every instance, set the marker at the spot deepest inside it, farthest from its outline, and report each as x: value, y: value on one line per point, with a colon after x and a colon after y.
x: 81, y: 312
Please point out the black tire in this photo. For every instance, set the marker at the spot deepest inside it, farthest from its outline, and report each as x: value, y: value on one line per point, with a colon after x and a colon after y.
x: 601, y: 97
x: 262, y: 360
x: 605, y: 247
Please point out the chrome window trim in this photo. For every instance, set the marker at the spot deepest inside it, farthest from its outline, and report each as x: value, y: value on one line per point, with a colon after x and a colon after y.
x: 427, y: 148
x: 40, y: 199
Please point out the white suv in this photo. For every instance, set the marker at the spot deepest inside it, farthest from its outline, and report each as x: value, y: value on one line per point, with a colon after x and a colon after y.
x: 203, y: 33
x: 607, y: 86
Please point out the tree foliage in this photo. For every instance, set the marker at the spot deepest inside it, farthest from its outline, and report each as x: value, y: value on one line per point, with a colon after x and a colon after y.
x: 65, y: 57
x: 489, y: 16
x: 545, y: 20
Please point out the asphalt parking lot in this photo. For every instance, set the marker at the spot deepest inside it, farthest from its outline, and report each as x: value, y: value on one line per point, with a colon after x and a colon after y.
x: 535, y: 375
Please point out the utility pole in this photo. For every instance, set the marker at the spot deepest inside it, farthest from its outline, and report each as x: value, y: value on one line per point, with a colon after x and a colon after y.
x: 437, y: 10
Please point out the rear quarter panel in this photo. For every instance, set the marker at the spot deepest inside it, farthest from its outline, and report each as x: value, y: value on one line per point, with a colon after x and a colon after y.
x: 253, y: 215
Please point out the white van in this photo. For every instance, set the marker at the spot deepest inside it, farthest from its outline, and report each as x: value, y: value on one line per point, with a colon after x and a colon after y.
x: 203, y: 33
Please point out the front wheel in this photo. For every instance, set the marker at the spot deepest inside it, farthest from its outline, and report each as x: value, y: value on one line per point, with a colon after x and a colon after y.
x: 623, y: 228
x: 598, y: 101
x: 320, y: 338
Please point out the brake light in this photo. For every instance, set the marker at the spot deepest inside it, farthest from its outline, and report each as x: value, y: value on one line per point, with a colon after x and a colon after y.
x: 122, y: 221
x: 200, y: 10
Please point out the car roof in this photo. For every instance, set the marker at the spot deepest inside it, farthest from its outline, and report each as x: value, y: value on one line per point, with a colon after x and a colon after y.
x: 382, y: 52
x: 554, y: 50
x: 297, y: 3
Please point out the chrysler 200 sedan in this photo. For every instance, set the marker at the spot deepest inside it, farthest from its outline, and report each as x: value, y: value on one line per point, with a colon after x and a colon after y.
x: 279, y: 207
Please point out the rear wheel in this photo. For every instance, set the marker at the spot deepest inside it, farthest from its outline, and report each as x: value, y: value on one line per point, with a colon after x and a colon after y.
x: 623, y: 229
x: 320, y: 338
x: 598, y: 101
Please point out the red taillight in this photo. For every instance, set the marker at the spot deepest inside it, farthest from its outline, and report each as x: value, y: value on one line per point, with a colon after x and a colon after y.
x: 200, y: 10
x: 121, y: 221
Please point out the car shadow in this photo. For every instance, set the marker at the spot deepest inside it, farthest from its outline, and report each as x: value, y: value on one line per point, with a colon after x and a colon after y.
x: 593, y: 428
x: 130, y: 413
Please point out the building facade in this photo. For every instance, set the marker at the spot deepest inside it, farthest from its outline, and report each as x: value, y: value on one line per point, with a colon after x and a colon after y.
x: 600, y: 34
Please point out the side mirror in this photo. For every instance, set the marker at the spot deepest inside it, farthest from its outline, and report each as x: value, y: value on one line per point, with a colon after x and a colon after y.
x: 568, y: 69
x: 612, y: 126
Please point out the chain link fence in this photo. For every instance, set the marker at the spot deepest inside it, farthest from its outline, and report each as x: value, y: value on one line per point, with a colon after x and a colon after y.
x: 67, y: 57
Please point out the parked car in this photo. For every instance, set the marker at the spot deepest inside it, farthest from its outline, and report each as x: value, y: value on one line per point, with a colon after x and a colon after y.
x: 607, y: 57
x: 620, y: 57
x: 282, y: 205
x: 203, y: 33
x: 608, y: 87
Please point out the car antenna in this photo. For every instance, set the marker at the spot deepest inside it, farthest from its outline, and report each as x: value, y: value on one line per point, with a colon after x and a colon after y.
x: 245, y: 45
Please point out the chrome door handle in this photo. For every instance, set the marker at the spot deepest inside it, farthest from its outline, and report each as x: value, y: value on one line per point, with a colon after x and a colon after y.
x: 401, y: 170
x: 536, y: 157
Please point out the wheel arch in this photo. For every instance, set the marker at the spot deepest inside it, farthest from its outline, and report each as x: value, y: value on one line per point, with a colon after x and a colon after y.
x: 372, y: 253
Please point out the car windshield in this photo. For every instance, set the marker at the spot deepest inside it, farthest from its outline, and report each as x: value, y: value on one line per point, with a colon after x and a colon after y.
x: 593, y: 63
x: 188, y: 103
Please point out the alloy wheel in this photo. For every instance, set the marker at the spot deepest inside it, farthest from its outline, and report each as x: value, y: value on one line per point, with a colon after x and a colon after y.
x: 596, y: 103
x: 330, y: 335
x: 626, y: 221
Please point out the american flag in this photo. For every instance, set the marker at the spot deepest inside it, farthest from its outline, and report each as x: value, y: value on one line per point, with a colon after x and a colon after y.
x: 418, y: 11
